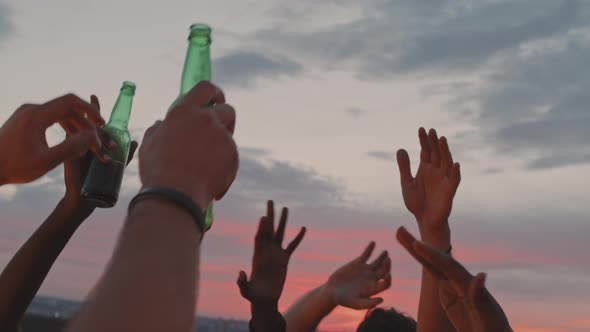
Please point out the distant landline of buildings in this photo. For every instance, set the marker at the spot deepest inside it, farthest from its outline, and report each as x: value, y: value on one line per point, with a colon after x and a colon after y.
x: 50, y: 314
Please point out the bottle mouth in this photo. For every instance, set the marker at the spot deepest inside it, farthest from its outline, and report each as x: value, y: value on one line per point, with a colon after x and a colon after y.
x: 200, y: 28
x: 200, y: 32
x: 128, y: 86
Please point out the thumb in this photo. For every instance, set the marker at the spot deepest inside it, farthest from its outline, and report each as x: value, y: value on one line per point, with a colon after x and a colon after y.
x: 72, y: 147
x: 366, y: 303
x: 243, y: 284
x: 475, y: 289
x: 403, y: 162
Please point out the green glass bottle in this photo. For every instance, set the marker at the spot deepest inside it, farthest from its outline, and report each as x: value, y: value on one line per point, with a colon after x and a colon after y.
x: 197, y: 67
x: 103, y: 181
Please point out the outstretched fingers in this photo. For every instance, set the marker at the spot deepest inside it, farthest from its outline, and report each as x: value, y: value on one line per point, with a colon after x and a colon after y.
x: 366, y: 303
x: 383, y: 284
x: 282, y: 225
x: 443, y: 263
x: 446, y: 162
x: 364, y: 257
x: 296, y: 241
x: 403, y: 162
x: 243, y: 285
x: 407, y: 240
x: 425, y: 146
x: 435, y: 156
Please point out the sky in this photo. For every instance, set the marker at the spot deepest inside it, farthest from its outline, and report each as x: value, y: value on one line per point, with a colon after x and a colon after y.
x: 325, y: 93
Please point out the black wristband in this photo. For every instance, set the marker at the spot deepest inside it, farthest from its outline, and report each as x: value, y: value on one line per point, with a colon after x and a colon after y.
x: 177, y: 198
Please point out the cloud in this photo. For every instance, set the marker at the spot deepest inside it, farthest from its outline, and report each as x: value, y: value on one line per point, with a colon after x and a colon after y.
x: 534, y: 107
x: 245, y: 68
x: 356, y: 112
x: 259, y: 178
x: 6, y: 25
x: 393, y: 37
x: 382, y: 155
x: 291, y: 185
x: 469, y: 39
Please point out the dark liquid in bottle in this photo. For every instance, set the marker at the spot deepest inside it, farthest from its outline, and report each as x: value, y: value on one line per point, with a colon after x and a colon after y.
x: 103, y: 183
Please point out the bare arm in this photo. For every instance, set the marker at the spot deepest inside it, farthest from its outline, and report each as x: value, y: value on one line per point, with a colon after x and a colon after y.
x: 351, y: 286
x: 306, y: 314
x: 269, y: 272
x: 24, y: 274
x: 150, y: 284
x: 468, y: 304
x: 429, y: 197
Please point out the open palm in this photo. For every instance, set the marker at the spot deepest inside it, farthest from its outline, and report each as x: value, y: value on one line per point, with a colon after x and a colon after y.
x: 270, y: 261
x: 353, y: 284
x: 429, y: 195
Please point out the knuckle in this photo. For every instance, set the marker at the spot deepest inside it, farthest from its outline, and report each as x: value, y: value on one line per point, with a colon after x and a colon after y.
x: 205, y: 117
x: 70, y: 97
x: 206, y: 85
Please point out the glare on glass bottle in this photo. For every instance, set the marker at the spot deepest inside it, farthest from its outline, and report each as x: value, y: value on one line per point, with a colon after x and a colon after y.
x: 197, y: 67
x: 103, y: 180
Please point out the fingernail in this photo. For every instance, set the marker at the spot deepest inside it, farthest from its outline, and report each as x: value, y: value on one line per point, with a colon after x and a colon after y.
x: 112, y: 143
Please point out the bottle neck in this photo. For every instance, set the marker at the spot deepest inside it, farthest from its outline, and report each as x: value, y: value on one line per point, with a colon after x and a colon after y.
x: 122, y: 110
x: 197, y: 65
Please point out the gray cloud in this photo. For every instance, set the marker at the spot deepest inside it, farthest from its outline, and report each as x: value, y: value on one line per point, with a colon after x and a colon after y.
x: 393, y: 37
x: 468, y: 40
x: 530, y: 99
x: 356, y: 112
x: 382, y: 155
x: 294, y: 186
x: 535, y: 107
x: 257, y: 180
x: 6, y: 25
x: 245, y: 68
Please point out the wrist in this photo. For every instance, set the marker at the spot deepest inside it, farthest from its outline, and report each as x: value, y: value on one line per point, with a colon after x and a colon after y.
x: 327, y: 295
x: 75, y: 208
x: 199, y: 194
x: 150, y: 206
x: 437, y: 237
x: 263, y: 309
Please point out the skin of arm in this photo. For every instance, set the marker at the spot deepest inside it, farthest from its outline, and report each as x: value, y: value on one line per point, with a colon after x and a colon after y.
x: 26, y: 271
x: 269, y: 272
x: 24, y: 274
x: 352, y: 286
x: 429, y: 197
x: 468, y: 305
x: 151, y: 282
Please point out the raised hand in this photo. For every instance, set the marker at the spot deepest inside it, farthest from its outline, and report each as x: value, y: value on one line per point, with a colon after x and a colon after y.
x: 429, y: 195
x: 205, y: 170
x: 354, y: 284
x: 75, y: 170
x: 270, y: 261
x: 467, y: 303
x: 27, y: 155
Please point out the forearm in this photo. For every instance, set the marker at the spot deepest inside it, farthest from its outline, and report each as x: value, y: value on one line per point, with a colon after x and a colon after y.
x: 431, y: 315
x: 266, y: 318
x: 24, y: 274
x: 307, y: 313
x: 150, y: 284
